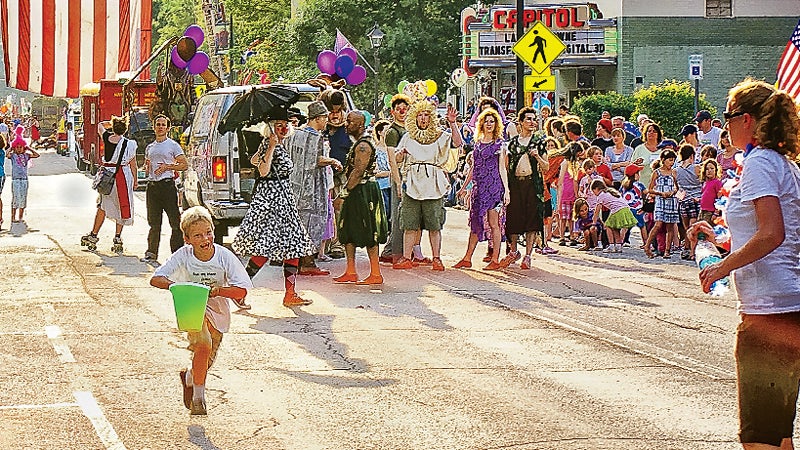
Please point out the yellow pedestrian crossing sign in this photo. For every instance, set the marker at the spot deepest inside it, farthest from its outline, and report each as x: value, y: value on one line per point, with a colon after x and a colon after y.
x: 539, y: 47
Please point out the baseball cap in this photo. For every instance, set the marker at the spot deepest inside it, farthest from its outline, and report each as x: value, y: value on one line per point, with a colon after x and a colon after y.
x: 688, y: 129
x: 703, y: 115
x: 632, y: 170
x: 667, y: 143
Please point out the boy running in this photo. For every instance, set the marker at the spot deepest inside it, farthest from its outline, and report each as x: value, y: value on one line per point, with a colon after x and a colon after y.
x: 207, y: 263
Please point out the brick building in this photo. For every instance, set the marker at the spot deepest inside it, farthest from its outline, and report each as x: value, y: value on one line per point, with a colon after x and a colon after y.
x: 620, y: 45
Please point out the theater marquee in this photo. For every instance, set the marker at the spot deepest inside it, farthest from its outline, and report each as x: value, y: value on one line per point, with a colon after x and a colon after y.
x: 488, y: 35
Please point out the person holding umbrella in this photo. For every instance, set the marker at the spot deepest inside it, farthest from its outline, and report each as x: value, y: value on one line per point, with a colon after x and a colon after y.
x: 272, y: 229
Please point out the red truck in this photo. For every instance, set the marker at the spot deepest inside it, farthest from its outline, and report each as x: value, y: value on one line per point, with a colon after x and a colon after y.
x: 102, y: 100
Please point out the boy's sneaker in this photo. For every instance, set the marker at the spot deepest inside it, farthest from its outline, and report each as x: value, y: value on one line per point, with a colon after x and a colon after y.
x: 198, y: 407
x: 188, y: 390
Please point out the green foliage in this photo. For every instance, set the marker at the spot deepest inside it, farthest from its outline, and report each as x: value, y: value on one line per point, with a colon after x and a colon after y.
x: 422, y: 38
x: 670, y: 104
x: 589, y: 108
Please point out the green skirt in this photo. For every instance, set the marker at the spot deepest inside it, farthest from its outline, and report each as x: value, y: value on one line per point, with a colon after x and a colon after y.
x: 621, y: 219
x: 362, y: 220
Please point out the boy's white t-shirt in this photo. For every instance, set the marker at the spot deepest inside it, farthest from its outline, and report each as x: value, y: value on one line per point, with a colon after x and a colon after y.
x: 223, y: 269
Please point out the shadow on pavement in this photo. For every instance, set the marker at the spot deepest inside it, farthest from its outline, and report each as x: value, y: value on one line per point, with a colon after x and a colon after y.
x: 197, y: 436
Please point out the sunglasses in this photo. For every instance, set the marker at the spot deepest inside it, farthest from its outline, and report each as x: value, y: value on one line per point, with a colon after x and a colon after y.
x: 728, y: 115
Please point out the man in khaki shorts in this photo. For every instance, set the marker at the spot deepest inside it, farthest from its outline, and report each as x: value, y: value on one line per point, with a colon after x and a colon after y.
x: 427, y: 156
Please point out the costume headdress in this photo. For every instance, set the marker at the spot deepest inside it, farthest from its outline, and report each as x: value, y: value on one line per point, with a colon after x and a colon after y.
x: 327, y: 95
x: 429, y: 134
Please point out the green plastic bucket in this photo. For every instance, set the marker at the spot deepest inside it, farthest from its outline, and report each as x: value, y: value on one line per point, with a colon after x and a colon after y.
x: 190, y: 304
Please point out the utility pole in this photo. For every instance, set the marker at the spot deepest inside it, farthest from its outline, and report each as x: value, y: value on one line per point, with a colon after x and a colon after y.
x: 520, y: 63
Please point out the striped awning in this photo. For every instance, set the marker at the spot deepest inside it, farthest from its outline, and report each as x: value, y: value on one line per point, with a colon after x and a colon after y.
x: 53, y: 47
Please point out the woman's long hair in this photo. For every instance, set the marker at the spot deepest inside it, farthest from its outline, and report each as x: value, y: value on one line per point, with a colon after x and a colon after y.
x: 498, y: 124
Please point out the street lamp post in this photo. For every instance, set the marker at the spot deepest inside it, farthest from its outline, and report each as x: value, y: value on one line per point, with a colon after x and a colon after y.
x: 376, y: 39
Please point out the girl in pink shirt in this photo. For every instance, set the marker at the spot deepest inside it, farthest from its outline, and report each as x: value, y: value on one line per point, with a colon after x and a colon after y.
x: 712, y: 186
x: 620, y: 219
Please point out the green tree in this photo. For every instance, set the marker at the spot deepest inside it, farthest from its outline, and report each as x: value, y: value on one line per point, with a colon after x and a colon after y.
x: 422, y: 41
x: 670, y: 104
x: 589, y: 107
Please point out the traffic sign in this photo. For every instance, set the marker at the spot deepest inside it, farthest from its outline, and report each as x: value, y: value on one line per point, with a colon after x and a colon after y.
x: 539, y: 47
x: 538, y: 83
x: 695, y: 67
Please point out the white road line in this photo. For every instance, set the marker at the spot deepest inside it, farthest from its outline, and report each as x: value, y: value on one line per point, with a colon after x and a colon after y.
x: 57, y: 340
x: 101, y: 425
x: 52, y: 405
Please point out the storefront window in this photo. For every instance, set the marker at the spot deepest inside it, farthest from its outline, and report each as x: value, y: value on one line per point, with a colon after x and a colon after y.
x: 719, y: 8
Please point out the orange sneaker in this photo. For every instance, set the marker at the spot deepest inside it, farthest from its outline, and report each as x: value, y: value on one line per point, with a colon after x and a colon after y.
x: 526, y: 262
x: 463, y: 264
x: 510, y: 258
x: 493, y: 266
x: 346, y: 278
x: 295, y: 300
x: 371, y: 280
x: 404, y: 263
x: 437, y: 264
x: 422, y: 262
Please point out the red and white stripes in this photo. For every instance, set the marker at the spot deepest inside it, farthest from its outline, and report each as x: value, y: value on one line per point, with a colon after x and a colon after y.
x: 53, y: 47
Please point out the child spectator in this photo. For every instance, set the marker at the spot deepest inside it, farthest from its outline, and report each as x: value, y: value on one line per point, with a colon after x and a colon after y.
x: 589, y: 175
x: 19, y: 155
x: 712, y: 187
x: 633, y: 192
x: 620, y: 218
x: 708, y: 151
x: 585, y: 224
x: 203, y: 261
x: 664, y: 186
x: 597, y: 155
x: 568, y: 187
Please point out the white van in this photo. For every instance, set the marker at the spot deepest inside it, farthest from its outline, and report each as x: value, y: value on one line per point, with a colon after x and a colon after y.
x: 220, y: 176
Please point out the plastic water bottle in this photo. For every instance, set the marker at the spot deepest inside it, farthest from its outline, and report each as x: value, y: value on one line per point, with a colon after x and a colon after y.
x: 706, y: 254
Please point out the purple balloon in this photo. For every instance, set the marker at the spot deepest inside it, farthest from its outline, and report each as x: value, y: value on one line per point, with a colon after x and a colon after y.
x: 344, y: 65
x: 196, y: 33
x: 198, y: 64
x: 351, y: 52
x: 357, y: 76
x: 326, y: 61
x: 177, y: 61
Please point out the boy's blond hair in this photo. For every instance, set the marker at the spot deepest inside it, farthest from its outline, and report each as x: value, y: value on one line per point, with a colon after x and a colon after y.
x: 193, y: 215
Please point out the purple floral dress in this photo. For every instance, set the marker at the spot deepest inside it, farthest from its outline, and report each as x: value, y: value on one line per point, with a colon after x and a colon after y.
x: 488, y: 191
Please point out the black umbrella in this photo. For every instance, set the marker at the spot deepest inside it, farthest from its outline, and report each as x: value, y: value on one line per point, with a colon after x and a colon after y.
x: 255, y: 106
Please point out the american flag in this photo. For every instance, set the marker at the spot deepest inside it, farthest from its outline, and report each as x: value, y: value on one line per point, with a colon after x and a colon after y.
x: 789, y: 66
x: 53, y: 47
x: 341, y: 42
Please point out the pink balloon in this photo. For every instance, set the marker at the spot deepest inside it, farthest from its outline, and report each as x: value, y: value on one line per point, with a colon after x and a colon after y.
x: 196, y: 33
x: 357, y: 76
x: 325, y: 62
x: 198, y: 64
x: 176, y: 59
x: 351, y: 52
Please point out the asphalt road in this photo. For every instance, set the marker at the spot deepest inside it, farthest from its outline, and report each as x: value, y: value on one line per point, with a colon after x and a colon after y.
x: 584, y: 351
